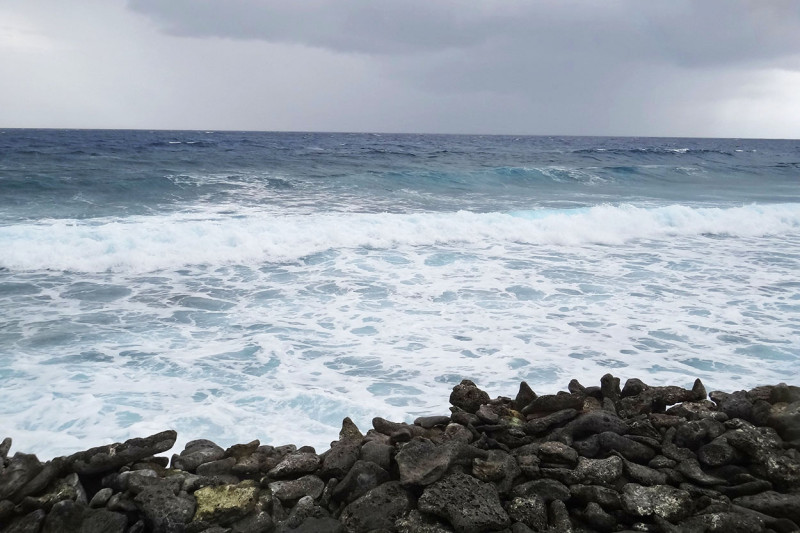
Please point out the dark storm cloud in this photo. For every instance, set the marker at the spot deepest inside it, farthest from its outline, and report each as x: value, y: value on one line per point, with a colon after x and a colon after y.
x: 684, y: 33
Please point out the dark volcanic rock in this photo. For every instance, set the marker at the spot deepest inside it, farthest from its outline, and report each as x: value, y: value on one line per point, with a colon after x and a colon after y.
x: 785, y: 418
x: 609, y: 461
x: 773, y: 504
x: 163, y: 510
x: 22, y: 469
x: 550, y: 403
x: 421, y: 461
x: 113, y: 456
x: 548, y: 489
x: 467, y: 396
x: 297, y: 488
x: 530, y: 510
x: 377, y: 509
x: 599, y: 471
x: 663, y: 501
x: 378, y: 453
x: 469, y: 505
x: 295, y: 465
x: 196, y: 453
x: 29, y: 523
x: 538, y: 426
x: 595, y: 422
x: 525, y: 395
x: 363, y: 477
x: 736, y: 405
x: 604, y: 496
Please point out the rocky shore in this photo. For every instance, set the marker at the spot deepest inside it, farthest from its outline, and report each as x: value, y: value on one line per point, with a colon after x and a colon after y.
x: 601, y: 458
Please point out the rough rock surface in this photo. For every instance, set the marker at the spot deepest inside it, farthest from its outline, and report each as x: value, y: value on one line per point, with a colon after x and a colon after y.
x: 595, y: 459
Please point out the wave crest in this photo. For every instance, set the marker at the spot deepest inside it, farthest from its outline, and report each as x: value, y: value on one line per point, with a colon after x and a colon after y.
x: 151, y: 243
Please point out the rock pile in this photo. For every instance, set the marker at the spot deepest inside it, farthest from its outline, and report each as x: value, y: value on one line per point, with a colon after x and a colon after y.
x: 592, y: 459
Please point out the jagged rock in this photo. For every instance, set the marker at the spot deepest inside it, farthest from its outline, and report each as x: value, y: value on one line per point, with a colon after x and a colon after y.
x: 783, y: 393
x: 736, y: 405
x: 297, y: 488
x: 29, y: 523
x: 196, y: 453
x: 22, y: 469
x: 163, y: 510
x: 468, y: 504
x: 258, y: 522
x: 537, y: 426
x: 416, y: 522
x: 594, y: 423
x: 691, y: 469
x: 304, y: 509
x: 559, y: 516
x: 467, y: 396
x: 378, y: 509
x: 717, y: 453
x: 421, y: 461
x: 663, y: 501
x: 340, y: 459
x: 633, y: 387
x: 499, y: 468
x: 220, y: 467
x: 5, y: 446
x: 295, y: 465
x: 101, y: 497
x: 694, y: 434
x: 428, y: 422
x: 785, y: 418
x: 723, y: 522
x: 121, y: 503
x: 607, y: 443
x: 643, y: 475
x: 659, y: 461
x: 530, y: 510
x: 378, y: 453
x: 558, y: 453
x: 551, y: 403
x: 313, y: 524
x: 67, y: 488
x: 599, y: 471
x: 524, y: 396
x: 113, y: 456
x: 548, y: 489
x: 597, y: 518
x: 773, y: 504
x: 604, y: 496
x: 363, y: 477
x: 242, y: 451
x: 70, y: 516
x: 747, y: 488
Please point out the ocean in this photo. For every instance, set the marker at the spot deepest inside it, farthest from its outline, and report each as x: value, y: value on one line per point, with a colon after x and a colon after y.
x: 243, y: 285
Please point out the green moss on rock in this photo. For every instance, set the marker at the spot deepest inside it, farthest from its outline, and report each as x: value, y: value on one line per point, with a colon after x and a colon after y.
x: 226, y: 503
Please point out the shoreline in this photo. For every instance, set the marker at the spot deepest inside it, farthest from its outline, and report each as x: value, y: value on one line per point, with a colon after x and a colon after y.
x: 595, y: 458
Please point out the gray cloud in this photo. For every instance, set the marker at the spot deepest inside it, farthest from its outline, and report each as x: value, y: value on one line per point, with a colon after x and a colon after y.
x: 680, y: 32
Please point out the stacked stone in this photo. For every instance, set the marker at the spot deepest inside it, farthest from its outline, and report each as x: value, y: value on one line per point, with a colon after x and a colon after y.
x: 592, y: 459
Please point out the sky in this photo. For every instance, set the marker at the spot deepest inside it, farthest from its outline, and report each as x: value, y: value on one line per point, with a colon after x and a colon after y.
x: 703, y: 68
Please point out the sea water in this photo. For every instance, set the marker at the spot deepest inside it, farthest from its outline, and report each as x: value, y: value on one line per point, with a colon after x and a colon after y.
x: 242, y: 285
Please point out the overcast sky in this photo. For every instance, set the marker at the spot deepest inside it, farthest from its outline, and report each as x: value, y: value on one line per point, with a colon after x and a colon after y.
x: 721, y: 68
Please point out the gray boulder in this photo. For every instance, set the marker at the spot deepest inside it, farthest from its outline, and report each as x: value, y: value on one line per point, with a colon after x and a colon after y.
x: 468, y: 504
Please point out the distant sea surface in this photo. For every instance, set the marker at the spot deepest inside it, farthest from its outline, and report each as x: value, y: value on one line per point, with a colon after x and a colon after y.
x: 236, y: 285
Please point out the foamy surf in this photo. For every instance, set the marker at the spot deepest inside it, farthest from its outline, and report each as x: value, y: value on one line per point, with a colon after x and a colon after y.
x: 151, y: 243
x: 249, y: 285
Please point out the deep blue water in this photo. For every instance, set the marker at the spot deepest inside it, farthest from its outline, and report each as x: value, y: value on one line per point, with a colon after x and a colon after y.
x: 239, y: 285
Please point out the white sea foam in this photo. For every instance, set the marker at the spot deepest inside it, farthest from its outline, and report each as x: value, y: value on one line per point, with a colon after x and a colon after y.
x: 259, y: 326
x: 143, y: 244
